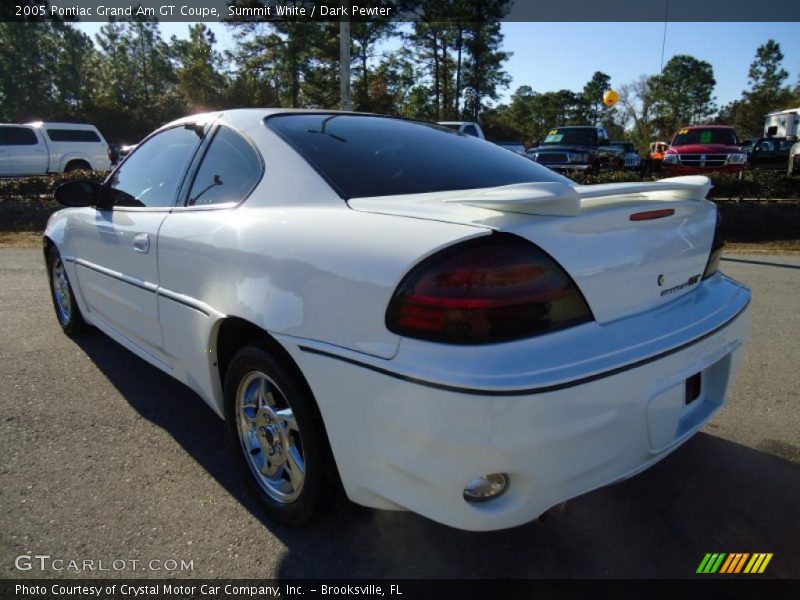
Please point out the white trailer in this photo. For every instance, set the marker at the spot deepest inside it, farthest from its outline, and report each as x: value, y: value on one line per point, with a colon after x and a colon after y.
x: 783, y: 123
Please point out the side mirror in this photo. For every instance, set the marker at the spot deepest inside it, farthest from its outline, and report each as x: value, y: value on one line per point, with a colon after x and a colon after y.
x: 78, y: 193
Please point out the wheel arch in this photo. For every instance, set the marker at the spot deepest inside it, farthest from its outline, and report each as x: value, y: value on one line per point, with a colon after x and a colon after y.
x: 233, y: 333
x: 47, y: 243
x: 67, y: 162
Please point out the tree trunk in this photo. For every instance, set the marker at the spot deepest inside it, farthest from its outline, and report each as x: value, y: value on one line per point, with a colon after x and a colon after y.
x: 436, y: 89
x: 365, y: 86
x: 459, y: 45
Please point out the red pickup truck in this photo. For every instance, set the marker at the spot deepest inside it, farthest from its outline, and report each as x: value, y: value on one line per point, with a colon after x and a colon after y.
x: 702, y: 149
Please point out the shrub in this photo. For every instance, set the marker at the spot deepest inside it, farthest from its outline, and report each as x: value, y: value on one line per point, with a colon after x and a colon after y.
x: 27, y: 188
x: 751, y: 184
x: 27, y: 202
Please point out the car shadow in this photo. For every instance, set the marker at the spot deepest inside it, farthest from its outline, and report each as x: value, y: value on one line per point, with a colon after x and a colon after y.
x: 711, y: 495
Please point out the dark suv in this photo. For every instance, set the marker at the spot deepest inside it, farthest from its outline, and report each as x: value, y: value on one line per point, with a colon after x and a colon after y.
x: 770, y: 154
x: 580, y: 148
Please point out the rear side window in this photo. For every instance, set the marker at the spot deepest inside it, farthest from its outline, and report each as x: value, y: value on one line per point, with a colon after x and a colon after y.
x: 17, y: 136
x: 73, y: 135
x: 470, y: 130
x: 229, y: 171
x: 362, y: 156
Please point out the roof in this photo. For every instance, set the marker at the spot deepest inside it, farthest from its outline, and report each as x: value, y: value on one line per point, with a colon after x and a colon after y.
x: 784, y: 112
x: 59, y: 124
x: 706, y: 127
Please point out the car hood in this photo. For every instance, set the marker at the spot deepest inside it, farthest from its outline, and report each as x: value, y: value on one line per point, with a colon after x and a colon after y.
x: 705, y: 148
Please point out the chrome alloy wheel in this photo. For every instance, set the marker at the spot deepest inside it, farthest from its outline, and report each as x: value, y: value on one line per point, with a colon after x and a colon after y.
x: 269, y: 437
x: 61, y: 292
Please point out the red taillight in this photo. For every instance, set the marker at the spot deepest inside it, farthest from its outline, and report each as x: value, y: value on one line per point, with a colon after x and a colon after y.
x: 494, y: 288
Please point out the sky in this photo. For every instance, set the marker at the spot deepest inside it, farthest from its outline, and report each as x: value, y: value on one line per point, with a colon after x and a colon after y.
x: 554, y: 56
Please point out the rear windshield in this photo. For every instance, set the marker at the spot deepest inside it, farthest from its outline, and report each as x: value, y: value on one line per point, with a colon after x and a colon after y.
x: 685, y: 137
x: 363, y: 156
x: 72, y: 135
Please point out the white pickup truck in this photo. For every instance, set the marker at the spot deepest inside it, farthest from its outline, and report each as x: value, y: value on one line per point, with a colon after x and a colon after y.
x: 465, y: 127
x: 41, y: 148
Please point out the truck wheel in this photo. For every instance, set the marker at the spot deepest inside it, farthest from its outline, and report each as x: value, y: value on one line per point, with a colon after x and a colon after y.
x: 77, y: 165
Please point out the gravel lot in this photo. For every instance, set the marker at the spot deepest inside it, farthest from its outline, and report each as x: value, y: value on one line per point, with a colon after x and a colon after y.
x: 104, y: 457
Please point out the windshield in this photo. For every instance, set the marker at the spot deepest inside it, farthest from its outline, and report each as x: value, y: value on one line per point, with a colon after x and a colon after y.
x: 725, y: 137
x: 626, y: 146
x: 571, y: 136
x: 364, y: 155
x: 453, y: 126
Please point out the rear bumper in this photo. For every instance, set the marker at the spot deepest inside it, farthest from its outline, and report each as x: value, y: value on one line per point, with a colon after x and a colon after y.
x: 409, y: 433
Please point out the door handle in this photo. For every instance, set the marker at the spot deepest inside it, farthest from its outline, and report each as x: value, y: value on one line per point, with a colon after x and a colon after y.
x: 141, y: 243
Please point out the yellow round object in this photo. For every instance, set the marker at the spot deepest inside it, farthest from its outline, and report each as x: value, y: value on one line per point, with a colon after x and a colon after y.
x: 610, y: 97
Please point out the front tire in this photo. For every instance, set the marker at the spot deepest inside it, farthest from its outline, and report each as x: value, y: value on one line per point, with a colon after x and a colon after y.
x: 277, y: 436
x: 67, y: 311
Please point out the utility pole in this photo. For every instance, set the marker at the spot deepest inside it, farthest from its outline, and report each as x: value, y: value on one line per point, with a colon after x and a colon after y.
x: 344, y: 63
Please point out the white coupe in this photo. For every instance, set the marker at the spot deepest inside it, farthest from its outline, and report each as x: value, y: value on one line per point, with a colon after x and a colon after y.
x: 419, y: 317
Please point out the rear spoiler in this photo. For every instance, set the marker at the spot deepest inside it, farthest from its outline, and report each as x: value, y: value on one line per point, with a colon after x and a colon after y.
x: 563, y: 199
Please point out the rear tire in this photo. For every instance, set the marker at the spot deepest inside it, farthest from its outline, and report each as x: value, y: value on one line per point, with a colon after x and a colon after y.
x: 67, y: 311
x: 278, y: 438
x: 77, y: 165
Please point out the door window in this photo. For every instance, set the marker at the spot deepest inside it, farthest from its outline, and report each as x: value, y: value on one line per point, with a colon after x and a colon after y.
x: 229, y: 171
x: 470, y: 130
x: 17, y: 136
x: 152, y: 175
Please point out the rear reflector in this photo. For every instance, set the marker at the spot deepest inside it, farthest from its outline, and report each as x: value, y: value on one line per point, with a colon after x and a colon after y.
x: 648, y: 215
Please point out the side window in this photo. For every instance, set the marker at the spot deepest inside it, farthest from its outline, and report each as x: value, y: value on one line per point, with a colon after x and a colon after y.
x: 229, y: 171
x: 470, y: 130
x: 152, y: 175
x: 72, y: 135
x: 17, y: 136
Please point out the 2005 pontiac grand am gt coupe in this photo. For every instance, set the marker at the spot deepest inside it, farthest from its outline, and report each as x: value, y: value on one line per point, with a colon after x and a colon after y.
x: 437, y: 323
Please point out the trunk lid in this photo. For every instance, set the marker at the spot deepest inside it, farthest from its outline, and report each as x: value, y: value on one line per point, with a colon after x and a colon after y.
x: 622, y: 266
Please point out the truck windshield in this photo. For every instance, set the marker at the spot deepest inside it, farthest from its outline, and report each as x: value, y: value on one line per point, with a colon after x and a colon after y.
x: 365, y: 155
x: 571, y: 136
x: 685, y: 137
